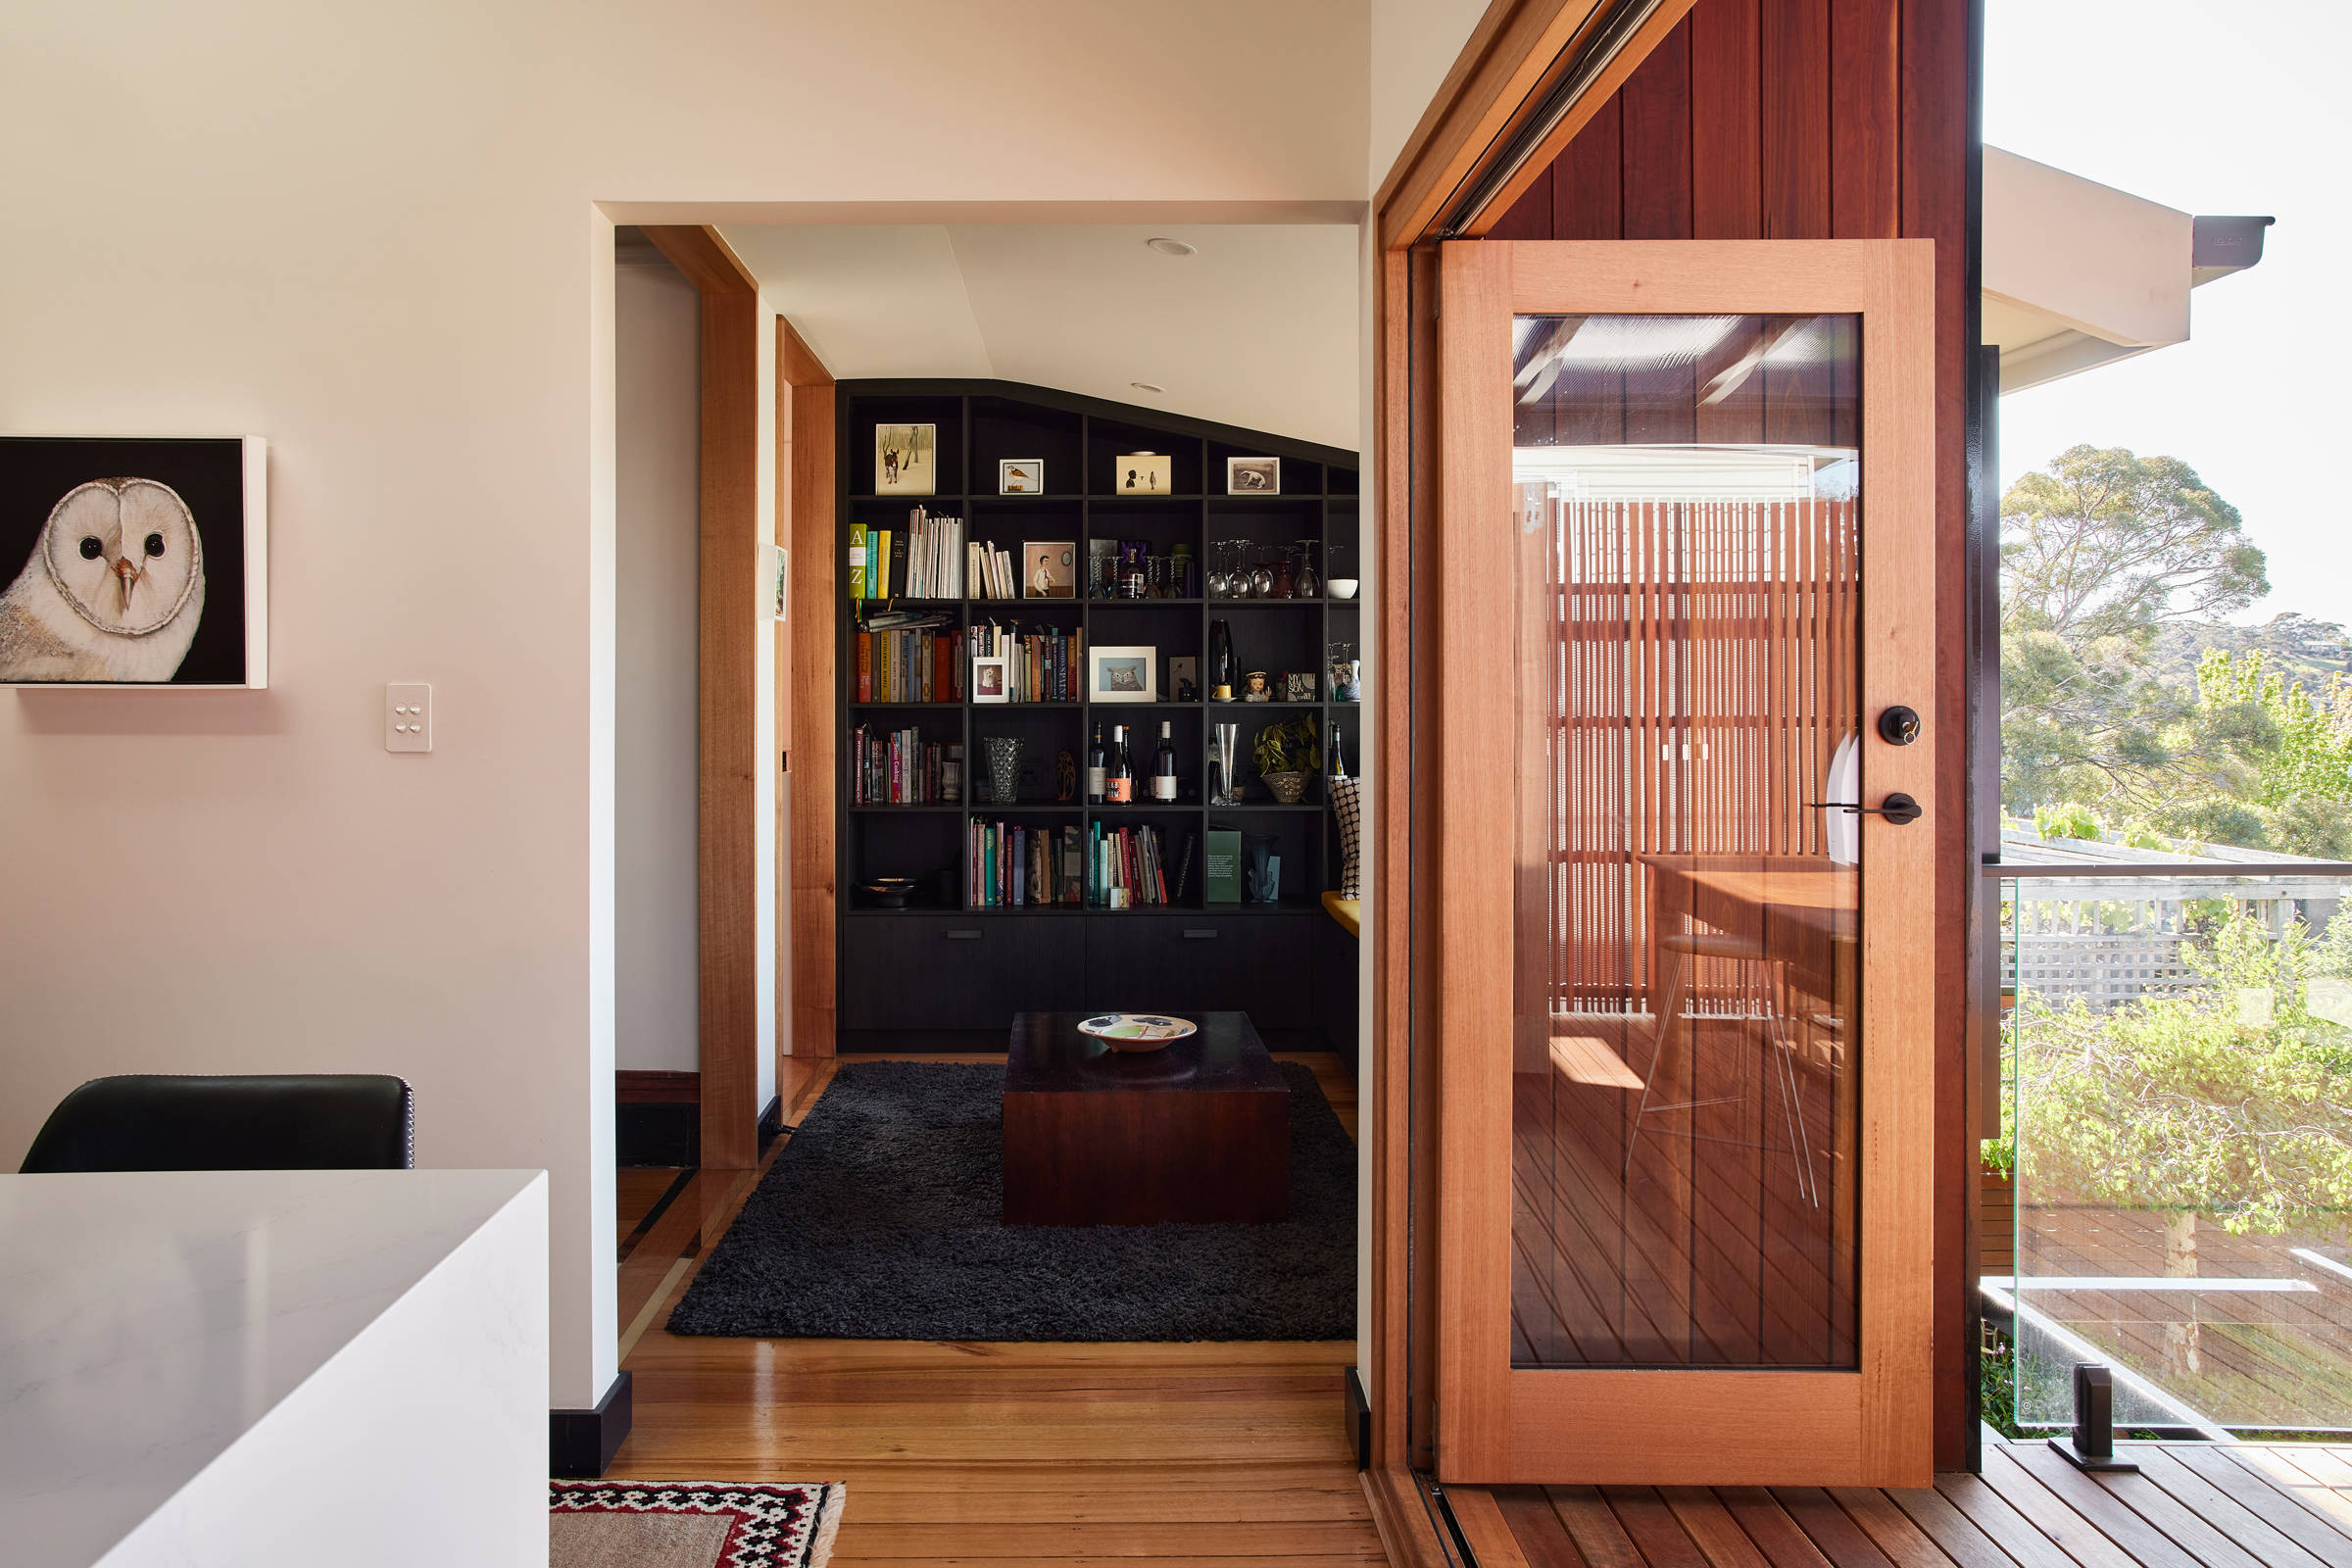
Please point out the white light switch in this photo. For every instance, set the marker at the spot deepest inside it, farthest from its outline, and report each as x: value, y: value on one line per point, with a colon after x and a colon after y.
x: 407, y: 716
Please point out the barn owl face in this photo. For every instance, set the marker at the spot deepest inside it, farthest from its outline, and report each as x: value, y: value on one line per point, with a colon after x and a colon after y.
x: 125, y: 552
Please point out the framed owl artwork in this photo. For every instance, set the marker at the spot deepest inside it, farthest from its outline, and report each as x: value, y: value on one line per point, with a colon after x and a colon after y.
x: 133, y: 561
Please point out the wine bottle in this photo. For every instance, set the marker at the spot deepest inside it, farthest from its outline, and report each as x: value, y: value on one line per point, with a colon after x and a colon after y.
x: 1118, y: 784
x: 1331, y: 748
x: 1094, y: 769
x: 1164, y: 766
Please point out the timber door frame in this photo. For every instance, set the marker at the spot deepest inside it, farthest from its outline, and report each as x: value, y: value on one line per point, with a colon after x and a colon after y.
x: 1498, y: 1424
x: 726, y: 868
x: 806, y: 721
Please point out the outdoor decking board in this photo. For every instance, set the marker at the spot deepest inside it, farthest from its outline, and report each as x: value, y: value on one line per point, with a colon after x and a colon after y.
x: 2192, y: 1505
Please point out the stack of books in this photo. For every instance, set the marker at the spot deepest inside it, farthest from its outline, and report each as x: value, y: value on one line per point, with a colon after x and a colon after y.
x: 899, y: 767
x: 925, y: 559
x: 904, y: 658
x: 993, y: 572
x: 1127, y: 868
x: 1019, y: 865
x: 1044, y: 665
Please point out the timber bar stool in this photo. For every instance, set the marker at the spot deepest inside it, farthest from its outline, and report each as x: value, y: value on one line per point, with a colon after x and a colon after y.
x: 1688, y: 946
x: 164, y: 1122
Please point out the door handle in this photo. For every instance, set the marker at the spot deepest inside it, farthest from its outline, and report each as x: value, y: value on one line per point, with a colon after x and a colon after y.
x: 1192, y: 935
x: 963, y: 936
x: 1899, y: 808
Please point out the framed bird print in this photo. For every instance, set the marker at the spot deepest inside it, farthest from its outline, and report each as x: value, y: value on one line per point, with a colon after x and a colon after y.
x: 133, y: 561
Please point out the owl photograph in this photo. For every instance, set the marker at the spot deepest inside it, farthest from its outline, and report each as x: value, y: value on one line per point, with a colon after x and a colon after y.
x: 130, y: 561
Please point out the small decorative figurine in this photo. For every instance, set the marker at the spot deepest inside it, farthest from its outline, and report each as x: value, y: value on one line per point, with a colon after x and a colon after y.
x: 1065, y: 778
x: 1253, y: 687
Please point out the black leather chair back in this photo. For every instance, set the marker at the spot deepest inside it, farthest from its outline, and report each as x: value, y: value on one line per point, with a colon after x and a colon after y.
x: 153, y: 1121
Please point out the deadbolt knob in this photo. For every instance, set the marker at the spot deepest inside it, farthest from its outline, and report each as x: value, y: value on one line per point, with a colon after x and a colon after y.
x: 1899, y: 725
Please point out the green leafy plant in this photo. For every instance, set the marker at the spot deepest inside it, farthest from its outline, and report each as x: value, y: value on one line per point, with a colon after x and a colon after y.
x: 1287, y: 745
x: 2227, y: 1100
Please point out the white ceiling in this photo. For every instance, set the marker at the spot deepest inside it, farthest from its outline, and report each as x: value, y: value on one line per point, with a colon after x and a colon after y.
x: 1257, y: 329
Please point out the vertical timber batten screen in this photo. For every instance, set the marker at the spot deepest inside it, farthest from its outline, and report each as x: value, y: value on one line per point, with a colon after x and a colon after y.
x: 1701, y: 680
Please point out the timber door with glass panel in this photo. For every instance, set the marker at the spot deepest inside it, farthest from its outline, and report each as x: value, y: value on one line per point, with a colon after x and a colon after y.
x: 1687, y: 934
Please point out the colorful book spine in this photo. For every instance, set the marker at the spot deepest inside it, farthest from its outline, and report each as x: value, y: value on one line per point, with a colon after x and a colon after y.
x: 857, y: 561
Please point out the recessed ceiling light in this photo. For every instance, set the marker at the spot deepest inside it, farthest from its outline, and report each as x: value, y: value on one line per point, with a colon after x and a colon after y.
x: 1145, y: 386
x: 1170, y: 247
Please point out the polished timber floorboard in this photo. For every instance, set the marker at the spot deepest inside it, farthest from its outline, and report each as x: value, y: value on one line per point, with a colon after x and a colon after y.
x: 990, y: 1453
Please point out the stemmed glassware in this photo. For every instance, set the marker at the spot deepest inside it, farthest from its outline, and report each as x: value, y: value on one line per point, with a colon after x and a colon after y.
x: 1308, y: 583
x: 1261, y: 579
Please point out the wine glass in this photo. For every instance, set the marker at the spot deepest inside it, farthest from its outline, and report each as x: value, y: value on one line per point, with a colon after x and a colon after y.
x: 1219, y: 583
x: 1310, y: 585
x: 1261, y: 579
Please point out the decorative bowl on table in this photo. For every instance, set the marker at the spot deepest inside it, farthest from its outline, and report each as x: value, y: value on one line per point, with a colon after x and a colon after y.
x: 1341, y: 587
x: 889, y: 892
x: 1136, y: 1031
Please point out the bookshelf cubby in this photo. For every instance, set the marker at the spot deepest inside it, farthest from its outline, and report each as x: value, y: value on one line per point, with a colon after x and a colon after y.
x: 946, y: 974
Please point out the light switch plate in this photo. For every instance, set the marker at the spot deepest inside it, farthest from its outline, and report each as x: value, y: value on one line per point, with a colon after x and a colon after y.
x: 407, y: 716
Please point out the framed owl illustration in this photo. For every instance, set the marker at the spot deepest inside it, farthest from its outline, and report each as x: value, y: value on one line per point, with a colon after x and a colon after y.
x: 133, y: 561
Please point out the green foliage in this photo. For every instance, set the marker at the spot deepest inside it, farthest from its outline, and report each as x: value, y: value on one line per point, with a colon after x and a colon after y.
x: 2073, y: 820
x: 2230, y: 1101
x: 2100, y: 550
x: 1287, y: 745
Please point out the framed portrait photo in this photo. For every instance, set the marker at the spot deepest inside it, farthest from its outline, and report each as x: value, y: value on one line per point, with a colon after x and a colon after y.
x: 1143, y: 473
x: 133, y: 561
x: 1123, y: 674
x: 1253, y: 476
x: 1050, y: 570
x: 991, y: 682
x: 906, y: 459
x: 1022, y: 476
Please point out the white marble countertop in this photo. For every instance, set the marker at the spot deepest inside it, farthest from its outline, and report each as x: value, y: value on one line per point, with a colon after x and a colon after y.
x: 148, y: 1321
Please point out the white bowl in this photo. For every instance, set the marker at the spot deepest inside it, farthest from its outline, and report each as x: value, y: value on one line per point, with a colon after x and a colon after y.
x: 1341, y: 587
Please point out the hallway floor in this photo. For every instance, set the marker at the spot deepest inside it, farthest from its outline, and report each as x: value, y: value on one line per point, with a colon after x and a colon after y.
x: 990, y: 1452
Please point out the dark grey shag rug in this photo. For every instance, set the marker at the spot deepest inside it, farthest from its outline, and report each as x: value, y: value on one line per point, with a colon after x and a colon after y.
x: 881, y: 1221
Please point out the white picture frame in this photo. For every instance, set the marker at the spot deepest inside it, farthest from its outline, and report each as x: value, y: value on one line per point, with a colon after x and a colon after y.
x: 1022, y: 476
x: 1143, y: 473
x: 906, y: 459
x: 779, y: 577
x: 1128, y: 674
x: 992, y: 678
x: 1253, y: 476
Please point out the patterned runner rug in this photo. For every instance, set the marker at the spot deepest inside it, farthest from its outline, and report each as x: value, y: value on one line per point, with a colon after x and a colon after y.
x: 690, y: 1524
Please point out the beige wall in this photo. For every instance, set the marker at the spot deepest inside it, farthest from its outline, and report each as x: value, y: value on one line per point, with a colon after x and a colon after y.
x: 373, y: 236
x: 1413, y: 44
x: 656, y: 775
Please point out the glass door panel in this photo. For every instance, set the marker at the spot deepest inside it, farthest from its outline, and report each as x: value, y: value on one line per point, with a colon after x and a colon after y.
x: 1686, y: 1026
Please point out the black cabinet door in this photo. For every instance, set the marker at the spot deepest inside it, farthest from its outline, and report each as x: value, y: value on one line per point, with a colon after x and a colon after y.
x: 946, y: 971
x: 1260, y: 965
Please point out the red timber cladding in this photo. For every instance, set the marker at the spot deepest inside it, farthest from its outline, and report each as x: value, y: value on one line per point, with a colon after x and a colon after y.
x: 1843, y: 120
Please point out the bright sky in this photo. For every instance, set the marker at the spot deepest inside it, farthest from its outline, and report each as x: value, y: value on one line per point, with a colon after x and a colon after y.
x: 2221, y: 107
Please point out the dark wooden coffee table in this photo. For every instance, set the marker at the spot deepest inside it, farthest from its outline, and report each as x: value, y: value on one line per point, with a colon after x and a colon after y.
x: 1198, y: 1131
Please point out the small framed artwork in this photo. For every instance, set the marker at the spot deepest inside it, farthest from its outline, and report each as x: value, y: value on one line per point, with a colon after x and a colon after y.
x: 1143, y: 474
x: 1300, y: 686
x: 1022, y: 476
x: 1253, y: 476
x: 133, y: 561
x: 1184, y: 679
x: 1050, y: 570
x: 1123, y: 674
x: 906, y: 459
x: 779, y: 574
x: 990, y: 683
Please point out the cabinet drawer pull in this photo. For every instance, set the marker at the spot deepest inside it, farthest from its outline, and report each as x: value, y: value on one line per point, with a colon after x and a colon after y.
x: 1195, y: 934
x: 963, y: 936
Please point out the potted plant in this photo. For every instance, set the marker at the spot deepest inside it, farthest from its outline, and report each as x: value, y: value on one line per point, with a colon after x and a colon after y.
x: 1286, y: 752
